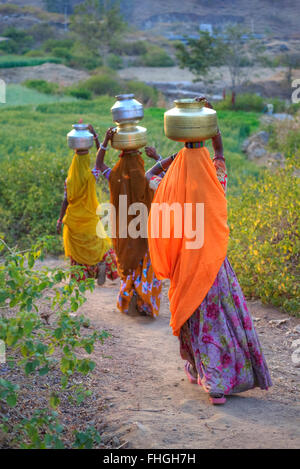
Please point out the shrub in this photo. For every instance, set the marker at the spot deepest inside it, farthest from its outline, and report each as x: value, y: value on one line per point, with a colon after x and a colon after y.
x: 51, y: 44
x: 156, y: 57
x: 86, y: 61
x: 244, y: 102
x: 41, y: 32
x: 18, y: 43
x: 61, y: 52
x: 38, y: 349
x: 114, y: 61
x: 130, y: 48
x: 103, y: 84
x: 146, y: 94
x: 80, y: 93
x: 264, y: 241
x: 42, y: 86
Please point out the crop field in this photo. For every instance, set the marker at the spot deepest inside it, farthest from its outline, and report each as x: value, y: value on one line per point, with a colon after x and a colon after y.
x: 34, y: 160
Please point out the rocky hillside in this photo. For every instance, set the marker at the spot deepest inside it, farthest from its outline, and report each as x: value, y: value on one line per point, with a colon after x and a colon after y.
x: 280, y: 17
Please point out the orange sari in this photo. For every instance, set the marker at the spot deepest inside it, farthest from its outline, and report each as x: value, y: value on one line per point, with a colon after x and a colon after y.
x: 190, y: 179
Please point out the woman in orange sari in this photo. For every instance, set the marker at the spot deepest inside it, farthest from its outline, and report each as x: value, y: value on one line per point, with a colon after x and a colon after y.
x: 140, y: 290
x: 208, y: 309
x: 85, y: 242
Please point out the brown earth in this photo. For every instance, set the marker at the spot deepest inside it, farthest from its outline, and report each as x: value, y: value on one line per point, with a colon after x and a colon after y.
x: 64, y: 76
x: 150, y: 403
x: 142, y: 399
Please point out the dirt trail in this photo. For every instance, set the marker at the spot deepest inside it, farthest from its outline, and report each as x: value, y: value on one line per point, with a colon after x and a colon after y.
x: 150, y: 403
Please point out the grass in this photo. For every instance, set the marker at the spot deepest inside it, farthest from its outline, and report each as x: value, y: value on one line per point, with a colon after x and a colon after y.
x: 11, y: 61
x: 18, y: 95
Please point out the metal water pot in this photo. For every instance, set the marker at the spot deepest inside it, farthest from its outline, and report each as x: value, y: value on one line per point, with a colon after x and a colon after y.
x: 190, y: 121
x: 80, y: 138
x: 127, y: 109
x: 129, y: 136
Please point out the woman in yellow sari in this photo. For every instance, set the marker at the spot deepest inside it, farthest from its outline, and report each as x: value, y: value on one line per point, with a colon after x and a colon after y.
x: 85, y: 241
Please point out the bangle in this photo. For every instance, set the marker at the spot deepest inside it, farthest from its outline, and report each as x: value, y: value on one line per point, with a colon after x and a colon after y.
x: 162, y: 168
x: 105, y: 171
x: 103, y: 147
x: 95, y: 136
x: 159, y: 158
x: 59, y: 221
x: 219, y: 158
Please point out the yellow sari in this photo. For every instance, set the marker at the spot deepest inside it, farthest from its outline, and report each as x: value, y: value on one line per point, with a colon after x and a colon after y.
x: 81, y: 223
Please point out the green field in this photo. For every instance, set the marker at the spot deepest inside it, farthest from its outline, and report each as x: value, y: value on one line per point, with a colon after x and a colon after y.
x: 18, y: 95
x: 11, y: 61
x: 34, y: 160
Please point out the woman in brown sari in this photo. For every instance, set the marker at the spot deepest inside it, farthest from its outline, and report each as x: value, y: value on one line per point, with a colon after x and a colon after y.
x: 140, y: 290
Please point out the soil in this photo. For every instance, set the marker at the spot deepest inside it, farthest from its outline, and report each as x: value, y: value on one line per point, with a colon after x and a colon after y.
x: 142, y: 399
x: 56, y: 73
x: 151, y: 403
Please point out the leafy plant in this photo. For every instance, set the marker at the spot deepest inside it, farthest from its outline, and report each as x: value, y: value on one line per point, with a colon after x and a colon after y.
x: 42, y: 86
x: 40, y: 342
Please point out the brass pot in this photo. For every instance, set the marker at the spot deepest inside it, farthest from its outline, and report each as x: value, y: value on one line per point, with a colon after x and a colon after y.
x: 190, y: 121
x: 129, y: 136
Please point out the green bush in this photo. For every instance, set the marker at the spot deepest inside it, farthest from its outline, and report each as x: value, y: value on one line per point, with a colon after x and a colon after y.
x: 42, y: 86
x: 18, y: 43
x: 84, y: 61
x: 144, y: 93
x: 156, y: 57
x: 103, y: 84
x: 34, y: 53
x: 130, y: 48
x: 264, y: 240
x: 114, y: 61
x: 244, y: 102
x: 79, y: 92
x: 51, y: 44
x: 61, y: 52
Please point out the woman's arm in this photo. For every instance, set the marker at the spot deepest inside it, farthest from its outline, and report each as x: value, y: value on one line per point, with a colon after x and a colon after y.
x: 62, y: 214
x: 92, y: 130
x: 102, y: 149
x: 162, y: 165
x: 217, y: 139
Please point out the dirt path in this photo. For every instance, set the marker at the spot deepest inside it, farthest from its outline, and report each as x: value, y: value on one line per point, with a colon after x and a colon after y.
x: 150, y: 404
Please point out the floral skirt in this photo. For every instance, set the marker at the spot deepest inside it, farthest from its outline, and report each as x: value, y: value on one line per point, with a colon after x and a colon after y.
x: 144, y: 285
x: 220, y: 342
x: 91, y: 271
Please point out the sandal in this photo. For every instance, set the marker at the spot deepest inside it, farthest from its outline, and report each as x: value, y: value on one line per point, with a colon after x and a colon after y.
x: 192, y: 379
x: 217, y: 399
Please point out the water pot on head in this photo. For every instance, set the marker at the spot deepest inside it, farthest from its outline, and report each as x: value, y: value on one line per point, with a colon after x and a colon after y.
x: 127, y: 112
x: 190, y: 121
x: 80, y: 138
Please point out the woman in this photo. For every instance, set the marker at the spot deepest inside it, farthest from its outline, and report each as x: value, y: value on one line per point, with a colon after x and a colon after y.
x: 140, y: 290
x: 81, y: 223
x: 208, y: 309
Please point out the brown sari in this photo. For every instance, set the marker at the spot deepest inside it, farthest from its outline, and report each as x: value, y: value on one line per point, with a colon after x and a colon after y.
x: 128, y: 178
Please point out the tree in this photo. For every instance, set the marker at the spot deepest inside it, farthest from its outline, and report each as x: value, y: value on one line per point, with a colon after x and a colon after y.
x: 235, y: 49
x: 199, y: 55
x: 291, y: 62
x: 98, y: 24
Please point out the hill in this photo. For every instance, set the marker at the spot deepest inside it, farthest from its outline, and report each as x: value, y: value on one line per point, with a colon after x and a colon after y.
x: 278, y: 18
